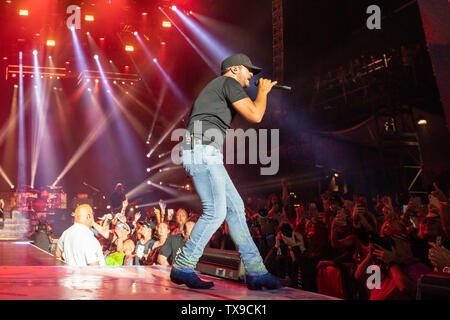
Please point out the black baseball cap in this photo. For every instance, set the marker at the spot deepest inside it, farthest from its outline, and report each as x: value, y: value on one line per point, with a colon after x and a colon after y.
x: 239, y: 59
x: 148, y: 224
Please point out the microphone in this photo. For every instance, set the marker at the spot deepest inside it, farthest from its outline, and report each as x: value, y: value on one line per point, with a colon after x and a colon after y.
x: 277, y: 86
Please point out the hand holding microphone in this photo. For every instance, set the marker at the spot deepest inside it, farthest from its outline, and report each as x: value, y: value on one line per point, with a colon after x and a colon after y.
x: 265, y: 85
x: 273, y: 84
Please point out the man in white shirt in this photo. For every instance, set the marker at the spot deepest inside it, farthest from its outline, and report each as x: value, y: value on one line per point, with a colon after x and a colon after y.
x: 78, y: 245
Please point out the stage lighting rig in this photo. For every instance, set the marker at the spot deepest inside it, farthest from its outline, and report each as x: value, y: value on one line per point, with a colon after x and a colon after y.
x: 44, y: 72
x: 125, y: 78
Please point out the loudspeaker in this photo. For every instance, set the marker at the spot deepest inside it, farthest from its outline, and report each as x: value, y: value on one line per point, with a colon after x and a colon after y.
x: 222, y: 263
x: 434, y: 286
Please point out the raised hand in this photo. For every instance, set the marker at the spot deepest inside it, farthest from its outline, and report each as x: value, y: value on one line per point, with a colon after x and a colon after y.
x: 162, y: 204
x: 384, y: 254
x: 438, y: 193
x: 439, y: 256
x: 387, y: 202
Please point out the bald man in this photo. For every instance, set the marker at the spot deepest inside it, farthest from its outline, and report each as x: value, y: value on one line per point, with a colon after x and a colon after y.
x: 78, y: 245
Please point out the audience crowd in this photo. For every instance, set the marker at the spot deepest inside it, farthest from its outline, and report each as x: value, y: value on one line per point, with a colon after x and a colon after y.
x: 330, y: 246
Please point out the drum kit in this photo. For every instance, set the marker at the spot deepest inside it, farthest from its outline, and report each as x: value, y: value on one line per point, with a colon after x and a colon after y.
x: 44, y: 199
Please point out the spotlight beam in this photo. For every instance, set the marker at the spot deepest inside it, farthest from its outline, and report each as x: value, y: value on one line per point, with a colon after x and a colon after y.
x: 81, y: 61
x: 172, y: 84
x: 5, y: 176
x: 137, y: 125
x: 125, y: 135
x: 92, y: 137
x: 21, y: 176
x: 200, y: 53
x: 150, y: 92
x: 168, y: 79
x: 144, y: 107
x: 185, y: 198
x: 215, y: 49
x: 164, y: 136
x: 168, y: 190
x: 39, y: 121
x: 162, y: 95
x: 163, y: 90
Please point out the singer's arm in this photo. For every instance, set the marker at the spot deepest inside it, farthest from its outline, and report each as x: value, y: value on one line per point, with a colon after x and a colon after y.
x: 254, y: 111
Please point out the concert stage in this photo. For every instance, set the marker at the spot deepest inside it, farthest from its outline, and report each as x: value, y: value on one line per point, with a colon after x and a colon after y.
x: 28, y: 273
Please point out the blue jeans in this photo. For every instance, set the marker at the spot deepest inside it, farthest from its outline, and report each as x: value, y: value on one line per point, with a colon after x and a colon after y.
x: 220, y: 201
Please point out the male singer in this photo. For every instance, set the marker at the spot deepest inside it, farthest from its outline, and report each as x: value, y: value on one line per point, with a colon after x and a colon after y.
x: 202, y: 158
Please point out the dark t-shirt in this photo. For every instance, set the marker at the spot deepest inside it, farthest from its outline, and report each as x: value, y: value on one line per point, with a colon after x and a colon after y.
x: 172, y: 247
x: 213, y: 109
x: 142, y: 249
x: 116, y: 200
x: 41, y: 240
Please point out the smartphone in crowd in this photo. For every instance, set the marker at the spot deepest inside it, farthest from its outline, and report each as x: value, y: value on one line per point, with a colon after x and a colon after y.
x: 169, y: 214
x: 342, y: 216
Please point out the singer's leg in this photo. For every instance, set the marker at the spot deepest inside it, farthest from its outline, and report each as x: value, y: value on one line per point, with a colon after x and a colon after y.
x: 239, y: 232
x: 210, y: 182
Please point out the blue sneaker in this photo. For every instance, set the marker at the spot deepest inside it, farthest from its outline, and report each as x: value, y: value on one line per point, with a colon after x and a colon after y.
x: 190, y: 279
x: 267, y: 280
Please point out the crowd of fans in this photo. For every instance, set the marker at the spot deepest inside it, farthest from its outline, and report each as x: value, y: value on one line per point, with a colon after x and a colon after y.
x: 326, y: 247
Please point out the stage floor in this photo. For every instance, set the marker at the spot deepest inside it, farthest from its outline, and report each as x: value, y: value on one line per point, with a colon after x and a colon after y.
x: 28, y: 273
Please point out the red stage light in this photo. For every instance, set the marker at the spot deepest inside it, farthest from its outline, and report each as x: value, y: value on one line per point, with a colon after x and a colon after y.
x: 51, y: 43
x: 5, y: 58
x: 129, y: 48
x: 89, y: 17
x: 166, y: 24
x: 144, y: 13
x: 174, y: 7
x: 13, y: 75
x: 102, y: 39
x: 23, y: 12
x: 163, y: 43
